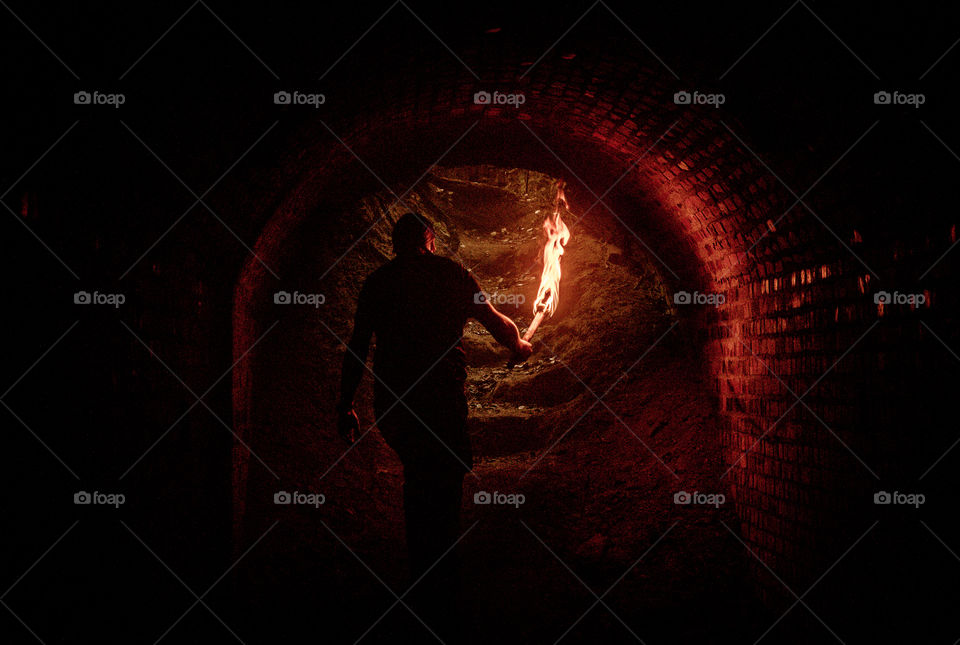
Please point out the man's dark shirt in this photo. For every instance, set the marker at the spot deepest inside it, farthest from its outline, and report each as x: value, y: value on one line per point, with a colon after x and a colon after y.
x: 417, y: 306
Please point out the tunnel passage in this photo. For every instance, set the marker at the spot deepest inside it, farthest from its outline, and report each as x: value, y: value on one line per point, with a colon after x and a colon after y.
x: 537, y: 429
x: 797, y: 306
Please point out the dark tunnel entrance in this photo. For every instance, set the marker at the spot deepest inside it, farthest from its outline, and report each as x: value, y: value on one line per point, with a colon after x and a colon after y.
x: 610, y: 418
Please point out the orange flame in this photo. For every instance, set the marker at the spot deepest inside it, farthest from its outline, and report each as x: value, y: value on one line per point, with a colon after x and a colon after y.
x: 548, y: 295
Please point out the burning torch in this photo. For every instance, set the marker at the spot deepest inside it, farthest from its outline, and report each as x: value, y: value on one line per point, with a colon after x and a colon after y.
x: 548, y: 295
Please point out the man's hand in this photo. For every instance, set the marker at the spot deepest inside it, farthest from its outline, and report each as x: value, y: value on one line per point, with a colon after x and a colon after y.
x: 521, y: 352
x: 348, y: 425
x: 505, y: 331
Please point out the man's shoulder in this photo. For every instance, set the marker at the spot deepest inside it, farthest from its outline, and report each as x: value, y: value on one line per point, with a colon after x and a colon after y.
x: 440, y: 266
x: 456, y: 270
x: 448, y: 264
x: 435, y: 262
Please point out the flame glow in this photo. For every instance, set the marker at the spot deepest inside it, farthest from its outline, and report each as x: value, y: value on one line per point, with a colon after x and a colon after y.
x: 548, y: 295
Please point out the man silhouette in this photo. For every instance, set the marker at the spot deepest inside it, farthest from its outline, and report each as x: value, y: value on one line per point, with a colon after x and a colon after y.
x: 416, y: 305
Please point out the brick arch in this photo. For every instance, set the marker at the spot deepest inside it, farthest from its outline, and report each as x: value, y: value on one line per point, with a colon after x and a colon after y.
x: 793, y: 305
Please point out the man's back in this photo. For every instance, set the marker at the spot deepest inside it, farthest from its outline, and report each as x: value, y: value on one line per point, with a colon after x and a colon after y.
x: 417, y: 306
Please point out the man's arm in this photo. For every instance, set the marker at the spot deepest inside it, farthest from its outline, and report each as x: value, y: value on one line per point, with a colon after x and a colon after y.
x: 500, y: 327
x: 503, y: 330
x: 354, y: 363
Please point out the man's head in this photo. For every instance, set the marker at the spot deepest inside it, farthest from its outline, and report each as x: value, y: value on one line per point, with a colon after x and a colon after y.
x: 412, y: 235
